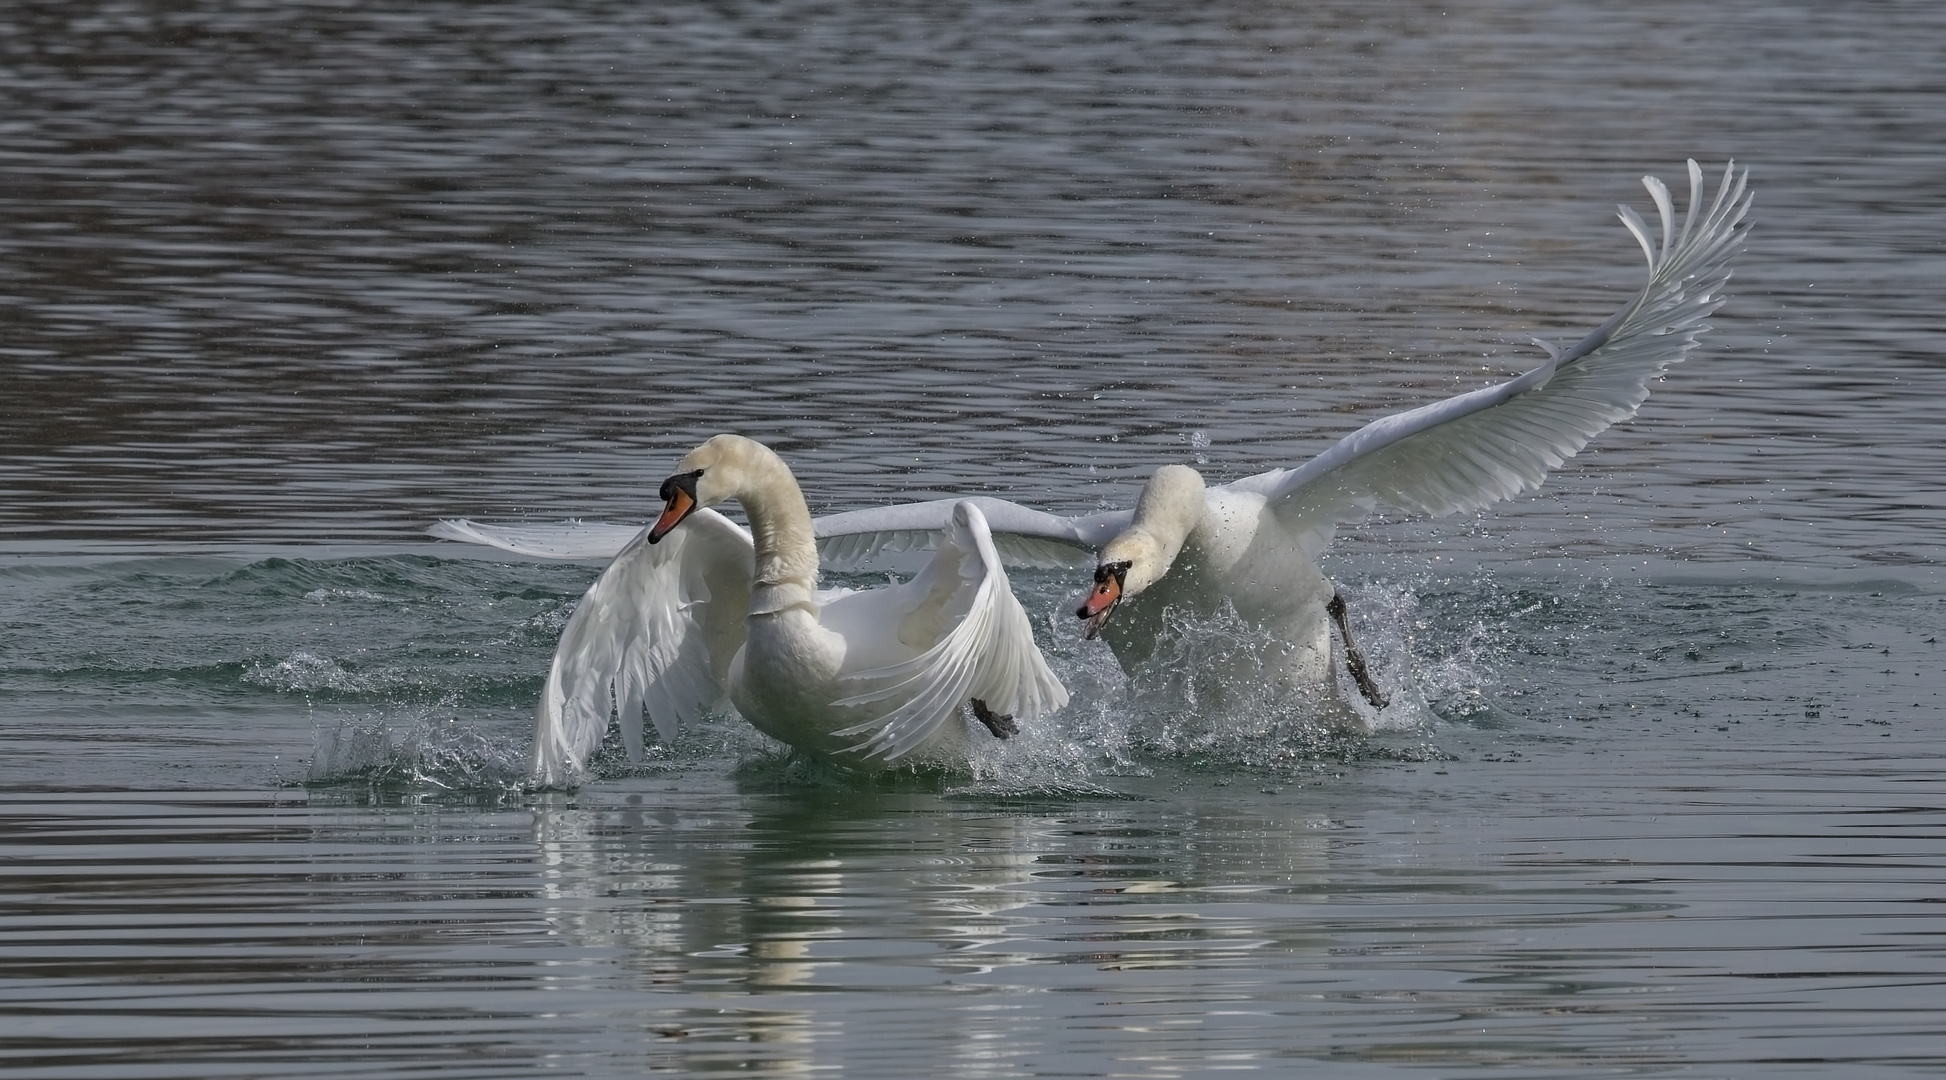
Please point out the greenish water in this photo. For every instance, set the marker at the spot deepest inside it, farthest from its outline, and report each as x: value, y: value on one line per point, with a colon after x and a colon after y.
x: 267, y: 815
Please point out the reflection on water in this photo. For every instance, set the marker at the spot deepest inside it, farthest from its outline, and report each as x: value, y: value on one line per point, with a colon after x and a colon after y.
x: 305, y: 271
x: 1677, y: 916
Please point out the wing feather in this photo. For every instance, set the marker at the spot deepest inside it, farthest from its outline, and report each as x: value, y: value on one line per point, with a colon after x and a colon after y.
x: 1478, y: 448
x: 1020, y: 536
x: 563, y: 540
x: 988, y: 654
x: 654, y: 634
x: 851, y: 540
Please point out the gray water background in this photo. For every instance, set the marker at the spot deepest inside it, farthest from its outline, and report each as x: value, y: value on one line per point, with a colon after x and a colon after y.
x: 283, y: 282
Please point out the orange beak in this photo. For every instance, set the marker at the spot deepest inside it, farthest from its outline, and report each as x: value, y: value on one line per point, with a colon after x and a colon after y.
x: 1101, y: 602
x: 680, y: 505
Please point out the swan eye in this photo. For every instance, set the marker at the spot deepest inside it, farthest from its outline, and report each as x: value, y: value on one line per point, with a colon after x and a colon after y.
x: 683, y: 482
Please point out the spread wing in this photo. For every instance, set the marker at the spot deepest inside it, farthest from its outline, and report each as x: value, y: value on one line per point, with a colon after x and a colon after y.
x: 850, y: 540
x: 987, y: 650
x: 566, y: 540
x: 1475, y: 449
x: 655, y: 633
x: 1018, y: 535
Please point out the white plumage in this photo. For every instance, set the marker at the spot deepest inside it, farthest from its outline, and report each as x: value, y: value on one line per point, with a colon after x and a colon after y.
x: 1252, y: 544
x: 695, y: 611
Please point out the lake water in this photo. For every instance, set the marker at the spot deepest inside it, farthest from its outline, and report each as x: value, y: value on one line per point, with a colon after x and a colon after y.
x: 284, y: 282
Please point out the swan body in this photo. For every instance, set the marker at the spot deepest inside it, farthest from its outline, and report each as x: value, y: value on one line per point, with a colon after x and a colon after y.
x: 1193, y: 551
x: 695, y: 611
x: 1253, y: 544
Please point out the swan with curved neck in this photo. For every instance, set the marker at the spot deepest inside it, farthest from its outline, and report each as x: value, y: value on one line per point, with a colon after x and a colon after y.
x: 1166, y: 512
x: 796, y: 659
x: 1195, y: 551
x: 695, y: 610
x: 1169, y: 509
x: 733, y: 467
x: 1253, y: 544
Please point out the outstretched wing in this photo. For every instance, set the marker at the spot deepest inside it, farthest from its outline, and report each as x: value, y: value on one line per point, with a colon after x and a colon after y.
x: 987, y: 650
x: 565, y: 540
x: 655, y: 633
x: 1019, y: 536
x: 1475, y: 449
x: 1022, y: 536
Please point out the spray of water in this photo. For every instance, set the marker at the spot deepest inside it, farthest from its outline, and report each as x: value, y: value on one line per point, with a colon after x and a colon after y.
x: 425, y: 749
x: 1191, y: 706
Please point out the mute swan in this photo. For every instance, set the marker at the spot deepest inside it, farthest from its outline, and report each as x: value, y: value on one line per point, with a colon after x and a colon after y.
x: 695, y: 609
x: 1252, y: 544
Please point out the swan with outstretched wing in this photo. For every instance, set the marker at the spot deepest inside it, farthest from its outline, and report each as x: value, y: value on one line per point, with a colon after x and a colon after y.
x: 1252, y: 544
x: 694, y: 612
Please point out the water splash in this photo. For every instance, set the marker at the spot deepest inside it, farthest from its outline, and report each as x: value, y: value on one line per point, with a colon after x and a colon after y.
x: 327, y: 595
x: 1183, y: 707
x: 1441, y: 664
x: 429, y: 750
x: 306, y: 672
x: 1173, y: 712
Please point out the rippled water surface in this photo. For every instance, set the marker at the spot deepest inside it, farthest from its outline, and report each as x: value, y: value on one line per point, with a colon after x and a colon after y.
x: 284, y: 282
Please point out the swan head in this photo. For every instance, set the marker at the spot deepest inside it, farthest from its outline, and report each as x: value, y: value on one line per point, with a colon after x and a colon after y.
x: 1171, y: 505
x: 718, y: 470
x: 1109, y: 586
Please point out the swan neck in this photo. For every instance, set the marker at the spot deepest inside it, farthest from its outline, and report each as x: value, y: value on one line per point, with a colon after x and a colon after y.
x: 1167, y: 532
x: 1171, y: 506
x: 780, y: 526
x: 1169, y: 509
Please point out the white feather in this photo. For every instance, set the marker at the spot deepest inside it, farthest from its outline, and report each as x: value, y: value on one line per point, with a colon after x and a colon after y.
x: 653, y: 635
x: 1252, y: 544
x: 1478, y: 448
x: 871, y: 677
x: 989, y: 653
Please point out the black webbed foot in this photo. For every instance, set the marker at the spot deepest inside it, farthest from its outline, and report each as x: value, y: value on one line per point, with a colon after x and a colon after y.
x: 1355, y: 660
x: 1002, y: 726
